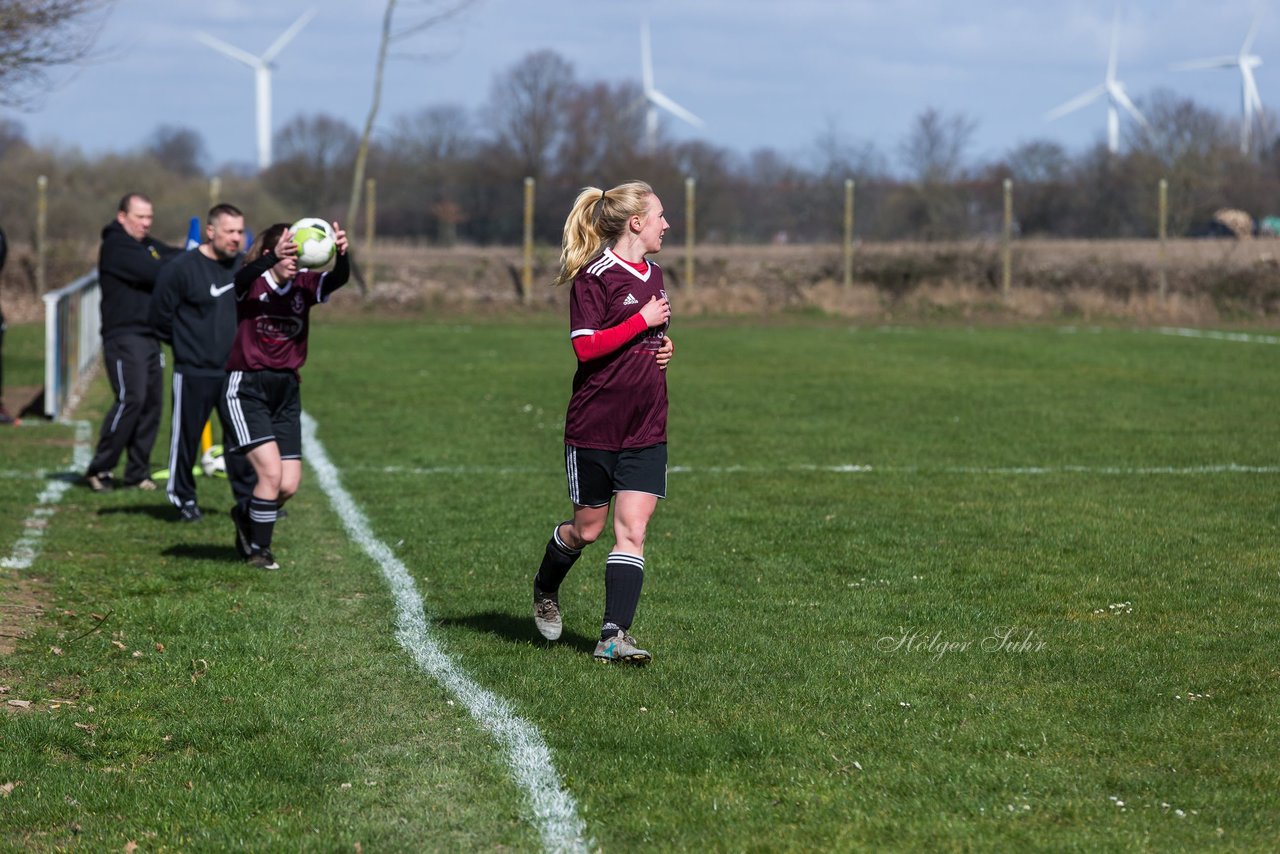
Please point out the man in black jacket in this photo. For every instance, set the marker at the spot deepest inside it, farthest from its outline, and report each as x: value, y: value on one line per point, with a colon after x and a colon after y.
x: 193, y: 308
x: 128, y: 263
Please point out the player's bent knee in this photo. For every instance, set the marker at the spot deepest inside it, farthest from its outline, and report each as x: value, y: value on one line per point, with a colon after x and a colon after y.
x: 587, y: 536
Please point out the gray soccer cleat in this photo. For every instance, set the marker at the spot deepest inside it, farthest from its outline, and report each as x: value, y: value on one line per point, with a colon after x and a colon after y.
x: 621, y: 648
x: 546, y: 614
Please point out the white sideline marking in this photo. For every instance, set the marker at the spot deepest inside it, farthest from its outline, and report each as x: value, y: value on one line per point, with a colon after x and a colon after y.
x: 1181, y: 332
x: 23, y: 474
x: 1228, y: 468
x: 1219, y: 336
x: 527, y: 754
x: 855, y: 468
x: 28, y: 546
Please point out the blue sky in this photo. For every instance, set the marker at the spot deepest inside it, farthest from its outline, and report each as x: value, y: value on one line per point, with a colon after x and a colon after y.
x: 761, y: 73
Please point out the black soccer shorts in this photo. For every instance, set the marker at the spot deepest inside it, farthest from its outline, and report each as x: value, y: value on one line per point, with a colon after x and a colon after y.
x: 594, y: 476
x: 265, y: 406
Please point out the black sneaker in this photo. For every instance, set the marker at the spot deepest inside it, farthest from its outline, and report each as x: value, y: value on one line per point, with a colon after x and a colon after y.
x: 103, y: 481
x: 189, y: 512
x: 244, y: 547
x: 263, y: 559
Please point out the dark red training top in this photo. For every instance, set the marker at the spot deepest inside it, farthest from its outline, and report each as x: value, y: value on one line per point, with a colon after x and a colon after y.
x: 619, y: 399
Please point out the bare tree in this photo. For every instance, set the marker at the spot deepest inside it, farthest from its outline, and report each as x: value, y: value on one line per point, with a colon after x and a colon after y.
x: 431, y: 14
x: 313, y: 159
x: 934, y: 149
x: 39, y: 35
x: 839, y: 158
x: 427, y: 163
x: 934, y: 152
x: 12, y: 136
x: 178, y: 149
x: 1041, y: 171
x: 599, y: 137
x: 433, y: 134
x: 527, y: 108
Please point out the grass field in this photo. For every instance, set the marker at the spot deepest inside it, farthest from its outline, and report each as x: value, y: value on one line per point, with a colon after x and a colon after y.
x: 913, y: 589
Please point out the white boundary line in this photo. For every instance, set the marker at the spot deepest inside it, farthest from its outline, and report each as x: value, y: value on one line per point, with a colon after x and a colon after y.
x: 27, y: 548
x: 527, y: 754
x: 1175, y: 331
x: 855, y: 468
x: 23, y: 474
x: 1241, y: 337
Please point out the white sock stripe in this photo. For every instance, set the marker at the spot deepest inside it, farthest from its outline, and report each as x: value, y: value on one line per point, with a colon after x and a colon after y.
x: 263, y: 515
x: 623, y: 557
x: 527, y: 754
x: 561, y: 543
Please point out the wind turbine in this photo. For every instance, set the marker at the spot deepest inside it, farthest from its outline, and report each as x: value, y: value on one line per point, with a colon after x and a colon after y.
x: 1117, y: 98
x: 262, y: 66
x: 1251, y: 101
x: 654, y: 98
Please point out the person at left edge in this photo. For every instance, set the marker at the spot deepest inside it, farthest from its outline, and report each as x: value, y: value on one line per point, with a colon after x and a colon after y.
x: 5, y: 417
x: 194, y: 310
x: 129, y: 261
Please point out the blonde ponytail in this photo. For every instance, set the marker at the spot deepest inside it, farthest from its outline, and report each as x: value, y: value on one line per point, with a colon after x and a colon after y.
x: 596, y: 220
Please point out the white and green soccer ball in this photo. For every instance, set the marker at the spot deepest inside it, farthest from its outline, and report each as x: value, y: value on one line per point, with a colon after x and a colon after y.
x: 213, y: 463
x: 316, y: 241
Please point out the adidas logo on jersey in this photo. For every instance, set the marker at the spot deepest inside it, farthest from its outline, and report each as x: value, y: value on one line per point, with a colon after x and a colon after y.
x: 630, y: 300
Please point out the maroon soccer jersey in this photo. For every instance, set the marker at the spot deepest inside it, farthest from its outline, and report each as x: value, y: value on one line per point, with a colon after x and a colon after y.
x: 619, y: 400
x: 273, y: 322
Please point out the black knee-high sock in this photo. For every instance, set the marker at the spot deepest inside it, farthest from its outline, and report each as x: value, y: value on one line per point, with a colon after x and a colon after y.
x: 262, y: 521
x: 623, y: 578
x: 556, y: 563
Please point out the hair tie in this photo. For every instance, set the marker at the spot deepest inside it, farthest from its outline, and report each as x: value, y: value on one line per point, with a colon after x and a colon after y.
x: 599, y: 208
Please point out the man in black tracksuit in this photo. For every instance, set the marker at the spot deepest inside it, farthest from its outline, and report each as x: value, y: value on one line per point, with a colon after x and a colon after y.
x: 128, y: 263
x: 194, y: 309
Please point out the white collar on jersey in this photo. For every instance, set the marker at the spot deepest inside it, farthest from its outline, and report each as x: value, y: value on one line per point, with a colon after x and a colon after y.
x: 278, y: 288
x: 626, y: 265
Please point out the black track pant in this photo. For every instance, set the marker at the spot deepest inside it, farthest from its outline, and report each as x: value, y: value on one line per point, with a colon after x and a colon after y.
x: 137, y: 377
x: 194, y: 399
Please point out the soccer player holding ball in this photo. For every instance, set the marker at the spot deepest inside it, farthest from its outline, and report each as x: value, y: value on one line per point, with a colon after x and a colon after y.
x: 273, y: 309
x: 616, y: 425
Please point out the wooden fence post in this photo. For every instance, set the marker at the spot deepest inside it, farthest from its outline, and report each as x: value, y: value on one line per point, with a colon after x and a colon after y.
x: 42, y: 230
x: 1006, y: 240
x: 370, y: 229
x: 1163, y: 232
x: 526, y: 273
x: 690, y: 185
x: 848, y: 232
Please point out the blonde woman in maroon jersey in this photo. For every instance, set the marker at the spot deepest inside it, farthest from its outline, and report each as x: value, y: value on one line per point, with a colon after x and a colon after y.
x: 616, y: 424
